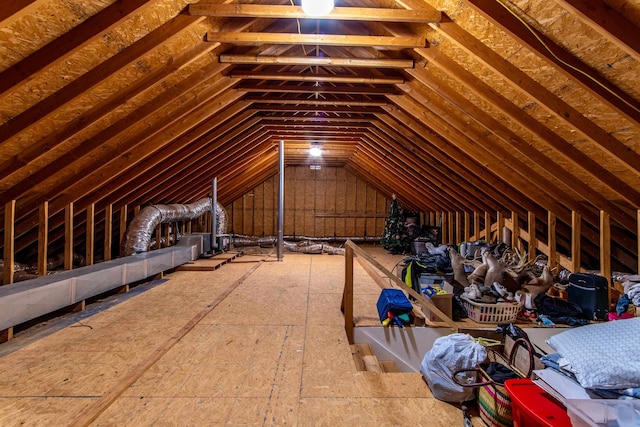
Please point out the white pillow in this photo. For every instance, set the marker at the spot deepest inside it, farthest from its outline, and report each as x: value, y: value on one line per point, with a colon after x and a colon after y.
x: 602, y: 355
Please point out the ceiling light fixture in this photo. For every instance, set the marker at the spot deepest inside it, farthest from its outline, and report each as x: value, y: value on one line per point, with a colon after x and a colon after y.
x: 315, y: 151
x: 317, y: 7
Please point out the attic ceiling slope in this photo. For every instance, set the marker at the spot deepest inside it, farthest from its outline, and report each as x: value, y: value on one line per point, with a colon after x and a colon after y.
x: 525, y: 106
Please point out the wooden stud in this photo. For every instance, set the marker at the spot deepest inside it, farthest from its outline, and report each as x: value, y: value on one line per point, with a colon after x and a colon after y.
x: 68, y: 237
x: 108, y: 231
x: 605, y: 246
x: 576, y: 232
x: 551, y: 239
x: 452, y: 237
x: 515, y: 231
x: 123, y: 223
x: 476, y: 225
x: 90, y: 233
x: 43, y: 238
x: 533, y: 240
x: 443, y: 228
x: 487, y: 226
x: 167, y: 235
x: 499, y: 226
x: 638, y: 234
x: 159, y: 234
x: 9, y: 242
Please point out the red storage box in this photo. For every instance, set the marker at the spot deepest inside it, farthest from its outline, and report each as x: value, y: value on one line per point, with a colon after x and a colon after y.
x: 534, y: 407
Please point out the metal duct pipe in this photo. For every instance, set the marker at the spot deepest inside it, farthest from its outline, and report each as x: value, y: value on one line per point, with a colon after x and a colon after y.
x: 141, y: 228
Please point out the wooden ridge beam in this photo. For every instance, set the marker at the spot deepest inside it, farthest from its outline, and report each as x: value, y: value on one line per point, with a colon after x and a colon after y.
x: 425, y: 15
x: 311, y: 60
x: 318, y: 102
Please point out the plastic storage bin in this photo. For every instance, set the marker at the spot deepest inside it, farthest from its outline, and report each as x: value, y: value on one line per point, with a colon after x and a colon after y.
x: 603, y: 412
x: 531, y: 406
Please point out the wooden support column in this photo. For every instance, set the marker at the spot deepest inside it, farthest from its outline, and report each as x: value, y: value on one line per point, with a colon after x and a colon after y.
x: 43, y: 238
x: 476, y: 225
x: 499, y: 226
x: 189, y: 226
x: 68, y: 237
x: 533, y: 239
x: 444, y: 228
x: 487, y: 226
x: 9, y: 242
x: 605, y: 247
x: 158, y: 236
x: 515, y: 231
x: 467, y: 227
x: 167, y: 235
x: 123, y: 223
x: 108, y: 231
x: 551, y: 233
x: 458, y: 228
x: 450, y: 223
x: 576, y: 232
x: 347, y: 295
x: 638, y: 234
x: 90, y: 233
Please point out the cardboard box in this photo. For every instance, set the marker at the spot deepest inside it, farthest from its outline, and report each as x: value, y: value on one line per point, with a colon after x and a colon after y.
x: 444, y: 303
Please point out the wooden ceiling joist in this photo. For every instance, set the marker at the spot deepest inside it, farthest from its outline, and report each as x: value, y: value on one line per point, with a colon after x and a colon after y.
x: 305, y: 89
x: 310, y: 60
x: 425, y: 15
x: 383, y: 42
x: 294, y: 77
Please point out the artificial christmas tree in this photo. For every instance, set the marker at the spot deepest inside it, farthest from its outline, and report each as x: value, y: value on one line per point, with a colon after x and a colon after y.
x: 395, y: 238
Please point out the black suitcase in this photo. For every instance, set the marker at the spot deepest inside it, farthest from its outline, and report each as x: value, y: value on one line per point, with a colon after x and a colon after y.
x: 591, y: 293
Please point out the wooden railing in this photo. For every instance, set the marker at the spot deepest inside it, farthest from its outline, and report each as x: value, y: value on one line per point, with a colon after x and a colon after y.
x: 388, y: 279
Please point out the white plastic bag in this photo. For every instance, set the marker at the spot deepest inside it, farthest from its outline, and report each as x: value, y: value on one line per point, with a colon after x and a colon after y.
x: 449, y: 354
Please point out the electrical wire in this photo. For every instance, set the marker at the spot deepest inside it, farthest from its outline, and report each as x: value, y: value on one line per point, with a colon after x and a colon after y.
x: 561, y: 61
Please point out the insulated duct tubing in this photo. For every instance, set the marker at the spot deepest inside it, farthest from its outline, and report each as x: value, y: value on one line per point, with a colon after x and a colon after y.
x: 141, y: 228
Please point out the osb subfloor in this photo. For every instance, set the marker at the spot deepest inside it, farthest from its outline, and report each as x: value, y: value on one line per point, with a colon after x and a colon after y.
x: 258, y: 343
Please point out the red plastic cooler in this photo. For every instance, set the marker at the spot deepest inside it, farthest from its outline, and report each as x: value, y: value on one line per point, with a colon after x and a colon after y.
x: 534, y: 407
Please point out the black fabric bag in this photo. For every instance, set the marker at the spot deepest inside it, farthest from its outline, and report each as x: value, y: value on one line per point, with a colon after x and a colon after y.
x: 557, y: 308
x: 591, y: 293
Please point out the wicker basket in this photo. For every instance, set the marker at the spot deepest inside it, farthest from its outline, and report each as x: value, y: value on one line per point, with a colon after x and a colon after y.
x: 502, y: 312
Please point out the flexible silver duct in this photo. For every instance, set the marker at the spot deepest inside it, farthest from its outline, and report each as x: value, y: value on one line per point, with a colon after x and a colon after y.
x: 244, y: 240
x: 141, y: 228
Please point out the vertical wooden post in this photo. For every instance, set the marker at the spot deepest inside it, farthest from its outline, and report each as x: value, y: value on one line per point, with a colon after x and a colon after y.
x: 515, y: 231
x: 605, y: 247
x: 533, y: 239
x: 347, y: 295
x: 487, y: 226
x: 167, y: 235
x: 444, y: 228
x: 189, y: 226
x: 576, y: 232
x: 458, y: 228
x: 159, y: 235
x: 43, y: 238
x: 638, y: 234
x: 467, y: 227
x: 452, y: 237
x: 499, y: 226
x: 476, y: 225
x: 123, y: 223
x: 90, y: 233
x: 9, y: 242
x: 551, y: 239
x: 68, y: 236
x: 108, y: 231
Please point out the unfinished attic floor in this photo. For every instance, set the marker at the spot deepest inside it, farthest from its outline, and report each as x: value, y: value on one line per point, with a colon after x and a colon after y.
x: 256, y: 342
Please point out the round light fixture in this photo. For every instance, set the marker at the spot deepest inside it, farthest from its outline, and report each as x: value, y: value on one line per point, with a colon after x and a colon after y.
x: 315, y: 151
x: 317, y: 7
